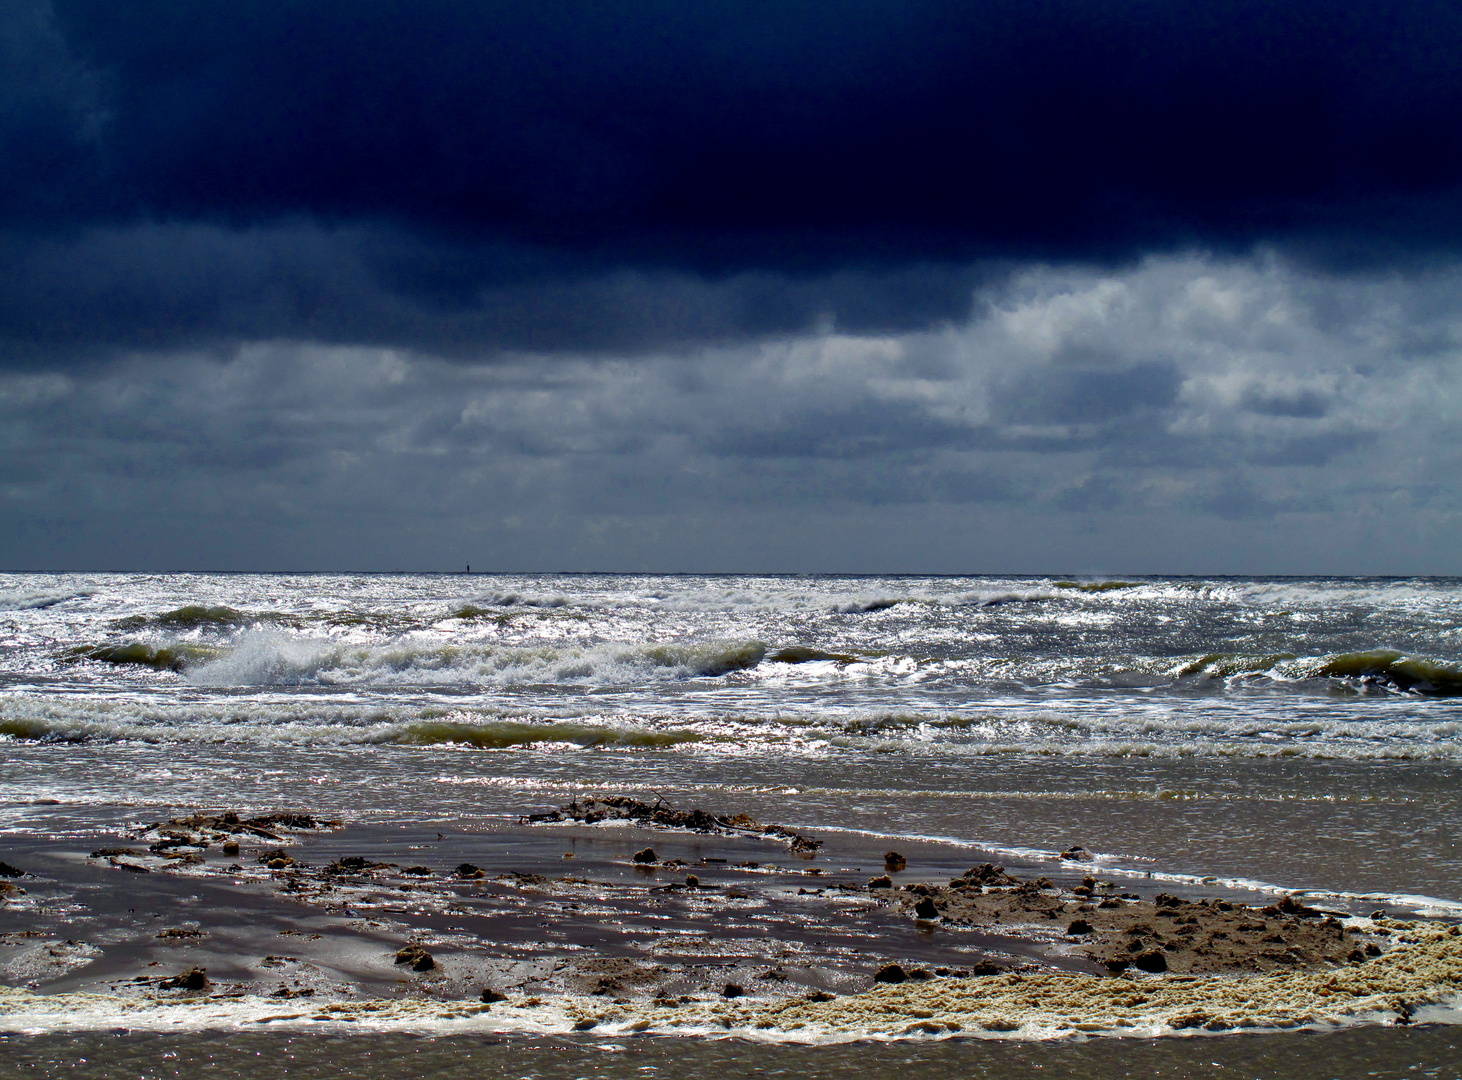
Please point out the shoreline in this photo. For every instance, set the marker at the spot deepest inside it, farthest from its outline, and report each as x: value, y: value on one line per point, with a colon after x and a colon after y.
x: 555, y: 927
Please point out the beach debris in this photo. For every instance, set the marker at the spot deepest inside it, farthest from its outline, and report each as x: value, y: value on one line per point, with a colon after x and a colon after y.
x: 491, y: 996
x: 192, y: 979
x: 1193, y: 936
x: 1189, y: 937
x: 1288, y: 905
x: 355, y: 864
x: 982, y: 875
x: 733, y: 990
x: 417, y: 956
x: 592, y: 810
x: 1153, y: 961
x: 893, y: 862
x: 181, y: 839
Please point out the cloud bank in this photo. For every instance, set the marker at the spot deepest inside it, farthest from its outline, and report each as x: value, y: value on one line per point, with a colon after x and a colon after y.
x: 1187, y: 415
x: 1077, y: 285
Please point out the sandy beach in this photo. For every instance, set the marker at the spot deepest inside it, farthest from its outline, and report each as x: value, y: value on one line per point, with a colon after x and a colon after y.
x: 597, y: 919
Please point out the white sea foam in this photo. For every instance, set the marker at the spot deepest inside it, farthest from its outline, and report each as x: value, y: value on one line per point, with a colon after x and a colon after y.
x: 1420, y: 977
x: 260, y: 658
x: 1113, y: 865
x: 337, y: 715
x: 34, y: 599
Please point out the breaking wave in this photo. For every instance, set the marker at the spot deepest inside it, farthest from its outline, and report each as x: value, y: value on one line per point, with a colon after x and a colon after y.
x: 860, y: 607
x: 1378, y: 667
x: 512, y: 599
x: 1113, y: 733
x: 1098, y: 586
x: 265, y: 659
x: 60, y: 721
x: 802, y: 654
x: 137, y: 654
x: 188, y: 617
x: 32, y: 600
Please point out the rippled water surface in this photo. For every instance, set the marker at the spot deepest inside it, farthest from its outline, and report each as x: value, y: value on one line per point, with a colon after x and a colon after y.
x: 1300, y: 732
x: 1295, y: 733
x: 1372, y: 1054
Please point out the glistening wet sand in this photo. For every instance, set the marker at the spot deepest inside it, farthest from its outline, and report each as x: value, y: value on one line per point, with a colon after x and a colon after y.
x: 214, y: 920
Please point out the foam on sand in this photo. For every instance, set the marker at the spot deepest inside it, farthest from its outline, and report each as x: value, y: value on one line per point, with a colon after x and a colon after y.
x: 1420, y: 977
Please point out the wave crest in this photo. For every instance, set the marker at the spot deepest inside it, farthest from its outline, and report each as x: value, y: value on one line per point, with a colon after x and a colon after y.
x: 31, y: 600
x: 265, y: 659
x: 187, y: 617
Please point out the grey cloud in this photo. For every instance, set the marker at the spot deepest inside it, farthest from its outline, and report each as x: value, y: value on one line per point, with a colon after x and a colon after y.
x: 1234, y: 498
x: 1300, y: 404
x: 1057, y: 395
x: 280, y: 454
x: 1312, y: 450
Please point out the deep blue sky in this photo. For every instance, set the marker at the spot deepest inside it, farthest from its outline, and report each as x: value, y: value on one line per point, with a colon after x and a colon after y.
x: 1066, y: 285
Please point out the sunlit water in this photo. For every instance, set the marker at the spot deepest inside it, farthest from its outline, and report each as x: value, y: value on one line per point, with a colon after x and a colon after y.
x: 1297, y: 732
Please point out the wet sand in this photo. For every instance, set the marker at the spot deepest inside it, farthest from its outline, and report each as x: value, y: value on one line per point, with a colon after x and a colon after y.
x: 625, y: 926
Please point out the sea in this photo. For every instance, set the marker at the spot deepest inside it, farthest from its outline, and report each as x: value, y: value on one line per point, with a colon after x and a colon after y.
x: 1275, y: 734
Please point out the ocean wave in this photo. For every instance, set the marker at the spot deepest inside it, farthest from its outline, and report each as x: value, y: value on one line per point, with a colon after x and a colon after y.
x: 1374, y: 667
x: 950, y: 735
x: 513, y: 599
x: 268, y: 659
x: 1419, y: 675
x: 187, y: 617
x: 997, y: 597
x: 32, y: 600
x: 803, y: 654
x: 1098, y: 586
x: 139, y: 654
x: 862, y: 607
x: 505, y: 735
x: 60, y: 721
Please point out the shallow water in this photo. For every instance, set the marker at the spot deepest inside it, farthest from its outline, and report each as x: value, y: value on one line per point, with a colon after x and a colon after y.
x: 1300, y: 732
x: 1379, y: 1053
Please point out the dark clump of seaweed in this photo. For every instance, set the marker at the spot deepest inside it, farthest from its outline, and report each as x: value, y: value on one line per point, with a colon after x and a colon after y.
x: 594, y: 809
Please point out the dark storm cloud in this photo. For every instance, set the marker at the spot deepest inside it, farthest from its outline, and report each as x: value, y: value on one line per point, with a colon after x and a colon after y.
x: 579, y: 175
x: 73, y: 297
